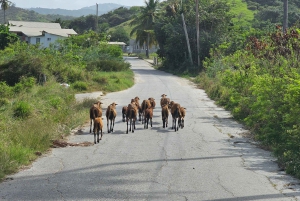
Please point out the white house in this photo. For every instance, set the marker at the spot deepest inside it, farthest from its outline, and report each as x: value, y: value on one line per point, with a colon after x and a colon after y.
x: 39, y: 32
x: 134, y: 47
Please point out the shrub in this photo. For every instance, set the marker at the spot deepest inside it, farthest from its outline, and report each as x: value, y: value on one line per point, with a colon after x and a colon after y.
x: 4, y: 101
x: 22, y: 109
x: 107, y: 65
x: 5, y: 90
x: 80, y: 86
x: 100, y: 79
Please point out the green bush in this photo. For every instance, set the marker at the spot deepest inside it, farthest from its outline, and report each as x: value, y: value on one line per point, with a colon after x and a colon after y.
x: 100, y: 79
x: 4, y: 101
x: 5, y: 90
x: 80, y: 86
x: 22, y: 109
x: 107, y: 65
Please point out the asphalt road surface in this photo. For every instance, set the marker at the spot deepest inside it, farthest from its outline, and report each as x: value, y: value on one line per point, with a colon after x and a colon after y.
x: 206, y: 160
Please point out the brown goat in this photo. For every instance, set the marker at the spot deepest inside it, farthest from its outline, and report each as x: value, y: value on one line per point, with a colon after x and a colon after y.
x: 152, y: 101
x: 111, y: 114
x: 145, y: 105
x: 148, y: 116
x: 95, y: 111
x: 176, y: 114
x: 165, y: 115
x: 136, y: 99
x: 131, y: 115
x: 124, y: 111
x: 182, y: 111
x: 164, y: 100
x: 98, y: 127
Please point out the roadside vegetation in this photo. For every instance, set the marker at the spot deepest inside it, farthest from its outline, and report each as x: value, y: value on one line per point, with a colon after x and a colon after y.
x: 248, y: 65
x: 35, y: 109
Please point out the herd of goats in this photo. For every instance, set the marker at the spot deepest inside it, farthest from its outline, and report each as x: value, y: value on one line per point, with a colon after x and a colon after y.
x: 132, y: 111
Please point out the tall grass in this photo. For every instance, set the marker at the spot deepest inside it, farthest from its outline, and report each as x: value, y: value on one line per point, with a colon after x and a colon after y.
x: 54, y: 113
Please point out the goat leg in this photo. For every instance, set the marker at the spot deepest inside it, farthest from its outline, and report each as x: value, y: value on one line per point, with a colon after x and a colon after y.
x: 113, y: 125
x: 133, y: 125
x: 91, y: 126
x: 130, y: 124
x: 108, y: 131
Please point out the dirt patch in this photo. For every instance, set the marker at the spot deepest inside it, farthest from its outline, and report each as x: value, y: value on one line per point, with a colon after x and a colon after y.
x: 61, y: 143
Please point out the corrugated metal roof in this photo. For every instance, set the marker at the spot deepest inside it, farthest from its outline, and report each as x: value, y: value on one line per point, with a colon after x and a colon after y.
x: 27, y: 31
x: 35, y: 24
x: 31, y: 32
x: 116, y: 43
x: 61, y: 32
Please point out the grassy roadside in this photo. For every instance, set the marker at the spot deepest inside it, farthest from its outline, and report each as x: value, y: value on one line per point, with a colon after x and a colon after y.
x: 38, y: 115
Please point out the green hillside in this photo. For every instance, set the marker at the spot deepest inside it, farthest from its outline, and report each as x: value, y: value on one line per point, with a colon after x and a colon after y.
x: 243, y: 16
x: 125, y: 25
x: 20, y: 14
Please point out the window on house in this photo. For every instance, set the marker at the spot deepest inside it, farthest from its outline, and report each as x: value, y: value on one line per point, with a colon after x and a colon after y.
x: 48, y: 39
x: 38, y: 40
x: 137, y: 47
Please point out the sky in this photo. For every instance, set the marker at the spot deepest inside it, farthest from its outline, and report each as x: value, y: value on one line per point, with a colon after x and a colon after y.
x: 72, y: 4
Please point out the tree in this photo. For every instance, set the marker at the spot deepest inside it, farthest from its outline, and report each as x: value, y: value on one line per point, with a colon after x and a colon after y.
x: 285, y: 16
x: 215, y: 26
x: 6, y: 37
x: 119, y: 35
x: 5, y: 4
x: 144, y: 24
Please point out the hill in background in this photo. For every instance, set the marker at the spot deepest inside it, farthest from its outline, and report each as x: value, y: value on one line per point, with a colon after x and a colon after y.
x: 20, y: 14
x: 91, y: 10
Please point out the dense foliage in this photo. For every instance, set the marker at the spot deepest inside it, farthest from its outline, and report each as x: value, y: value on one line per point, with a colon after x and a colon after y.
x: 270, y: 12
x: 215, y: 23
x: 6, y: 37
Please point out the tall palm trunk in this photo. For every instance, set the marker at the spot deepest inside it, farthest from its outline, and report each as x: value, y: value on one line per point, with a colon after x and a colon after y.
x: 147, y: 46
x: 285, y: 16
x: 4, y: 16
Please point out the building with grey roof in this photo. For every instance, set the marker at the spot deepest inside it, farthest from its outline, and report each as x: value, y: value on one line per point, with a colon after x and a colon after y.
x: 39, y: 32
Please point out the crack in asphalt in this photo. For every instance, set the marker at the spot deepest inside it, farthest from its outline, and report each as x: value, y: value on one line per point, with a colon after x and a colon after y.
x: 220, y: 183
x: 55, y: 173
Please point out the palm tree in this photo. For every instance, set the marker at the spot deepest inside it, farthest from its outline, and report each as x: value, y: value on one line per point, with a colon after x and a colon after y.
x: 285, y: 15
x: 144, y: 24
x: 5, y: 4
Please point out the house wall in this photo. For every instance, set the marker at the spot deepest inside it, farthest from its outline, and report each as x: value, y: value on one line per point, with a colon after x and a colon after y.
x: 134, y: 47
x: 44, y: 40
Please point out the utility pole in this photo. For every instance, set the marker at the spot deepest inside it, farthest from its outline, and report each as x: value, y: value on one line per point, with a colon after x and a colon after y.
x: 285, y: 16
x: 187, y: 39
x: 198, y: 34
x: 96, y: 21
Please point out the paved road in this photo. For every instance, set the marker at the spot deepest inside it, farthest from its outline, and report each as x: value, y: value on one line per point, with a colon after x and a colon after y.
x: 207, y: 160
